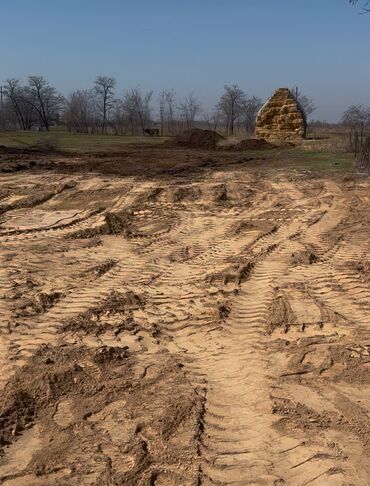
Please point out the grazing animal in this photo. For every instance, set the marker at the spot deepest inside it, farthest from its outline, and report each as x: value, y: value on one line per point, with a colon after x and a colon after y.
x: 152, y: 132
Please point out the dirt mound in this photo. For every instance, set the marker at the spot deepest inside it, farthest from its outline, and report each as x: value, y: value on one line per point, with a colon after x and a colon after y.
x: 197, y: 138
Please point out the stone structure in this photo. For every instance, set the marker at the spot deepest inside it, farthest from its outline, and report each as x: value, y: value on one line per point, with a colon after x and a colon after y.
x: 281, y: 118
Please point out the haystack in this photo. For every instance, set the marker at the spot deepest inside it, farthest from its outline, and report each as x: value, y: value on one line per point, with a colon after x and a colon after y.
x: 281, y: 118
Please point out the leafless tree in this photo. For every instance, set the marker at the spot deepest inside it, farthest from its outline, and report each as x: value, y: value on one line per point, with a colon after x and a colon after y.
x: 44, y: 99
x: 212, y: 119
x: 118, y: 118
x: 104, y: 88
x: 189, y: 109
x: 170, y: 97
x: 2, y: 109
x: 358, y: 118
x: 306, y: 104
x: 231, y: 105
x: 136, y: 110
x: 251, y: 108
x: 81, y: 111
x: 12, y: 91
x: 167, y: 102
x: 162, y: 108
x: 17, y: 105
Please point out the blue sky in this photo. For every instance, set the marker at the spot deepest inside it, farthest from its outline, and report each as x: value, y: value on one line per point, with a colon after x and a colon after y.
x: 193, y: 46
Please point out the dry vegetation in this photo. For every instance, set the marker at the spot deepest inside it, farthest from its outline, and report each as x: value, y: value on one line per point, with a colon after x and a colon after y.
x: 176, y: 316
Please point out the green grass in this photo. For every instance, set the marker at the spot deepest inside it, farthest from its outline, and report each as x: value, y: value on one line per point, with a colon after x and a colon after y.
x: 303, y: 159
x: 75, y: 142
x: 317, y: 156
x: 321, y: 161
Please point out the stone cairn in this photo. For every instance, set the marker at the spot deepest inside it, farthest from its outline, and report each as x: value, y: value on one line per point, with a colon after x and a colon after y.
x: 281, y: 118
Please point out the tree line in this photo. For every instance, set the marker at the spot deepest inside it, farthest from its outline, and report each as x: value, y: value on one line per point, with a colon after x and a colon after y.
x: 38, y: 105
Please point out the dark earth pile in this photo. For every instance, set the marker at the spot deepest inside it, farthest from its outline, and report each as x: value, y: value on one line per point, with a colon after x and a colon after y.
x: 197, y: 138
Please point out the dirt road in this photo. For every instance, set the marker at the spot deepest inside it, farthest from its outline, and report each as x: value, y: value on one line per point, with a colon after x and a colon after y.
x: 186, y: 327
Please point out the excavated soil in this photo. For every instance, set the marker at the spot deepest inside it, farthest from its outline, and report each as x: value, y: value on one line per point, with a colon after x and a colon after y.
x: 197, y: 138
x: 168, y: 318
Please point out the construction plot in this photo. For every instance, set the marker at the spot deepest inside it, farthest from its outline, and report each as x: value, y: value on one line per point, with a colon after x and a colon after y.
x: 170, y: 318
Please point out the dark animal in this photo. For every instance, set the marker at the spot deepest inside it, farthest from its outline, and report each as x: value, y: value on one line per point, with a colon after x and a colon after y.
x: 152, y: 132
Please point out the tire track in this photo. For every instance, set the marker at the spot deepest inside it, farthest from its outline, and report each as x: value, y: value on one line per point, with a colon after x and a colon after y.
x: 218, y: 327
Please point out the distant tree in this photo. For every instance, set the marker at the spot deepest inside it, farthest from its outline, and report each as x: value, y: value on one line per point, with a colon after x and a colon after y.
x: 44, y: 99
x: 162, y: 110
x: 15, y: 94
x: 357, y: 117
x: 251, y: 108
x: 104, y: 88
x: 189, y: 109
x: 231, y: 105
x: 2, y: 109
x: 212, y: 119
x: 81, y: 111
x: 167, y: 102
x: 307, y: 105
x: 136, y: 110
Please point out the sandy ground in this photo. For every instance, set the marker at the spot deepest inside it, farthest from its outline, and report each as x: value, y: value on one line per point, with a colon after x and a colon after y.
x: 191, y: 324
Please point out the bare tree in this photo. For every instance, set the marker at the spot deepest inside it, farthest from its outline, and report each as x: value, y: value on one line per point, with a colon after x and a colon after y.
x: 44, y: 99
x: 119, y: 118
x: 251, y: 108
x: 2, y: 109
x: 18, y: 104
x: 170, y: 97
x: 136, y: 110
x: 104, y: 88
x: 167, y: 102
x: 162, y: 110
x: 81, y: 111
x: 189, y: 109
x: 357, y: 117
x: 12, y: 90
x: 212, y: 119
x: 231, y: 105
x: 306, y: 104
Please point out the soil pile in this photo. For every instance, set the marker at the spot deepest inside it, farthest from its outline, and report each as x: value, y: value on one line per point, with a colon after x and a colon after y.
x: 197, y: 138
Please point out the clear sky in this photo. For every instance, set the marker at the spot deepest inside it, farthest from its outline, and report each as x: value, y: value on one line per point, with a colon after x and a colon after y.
x: 193, y: 46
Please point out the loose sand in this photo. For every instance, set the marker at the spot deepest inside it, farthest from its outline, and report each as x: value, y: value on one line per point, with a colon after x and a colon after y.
x: 172, y: 319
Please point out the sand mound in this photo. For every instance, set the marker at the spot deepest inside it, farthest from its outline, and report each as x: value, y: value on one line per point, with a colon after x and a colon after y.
x: 197, y: 138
